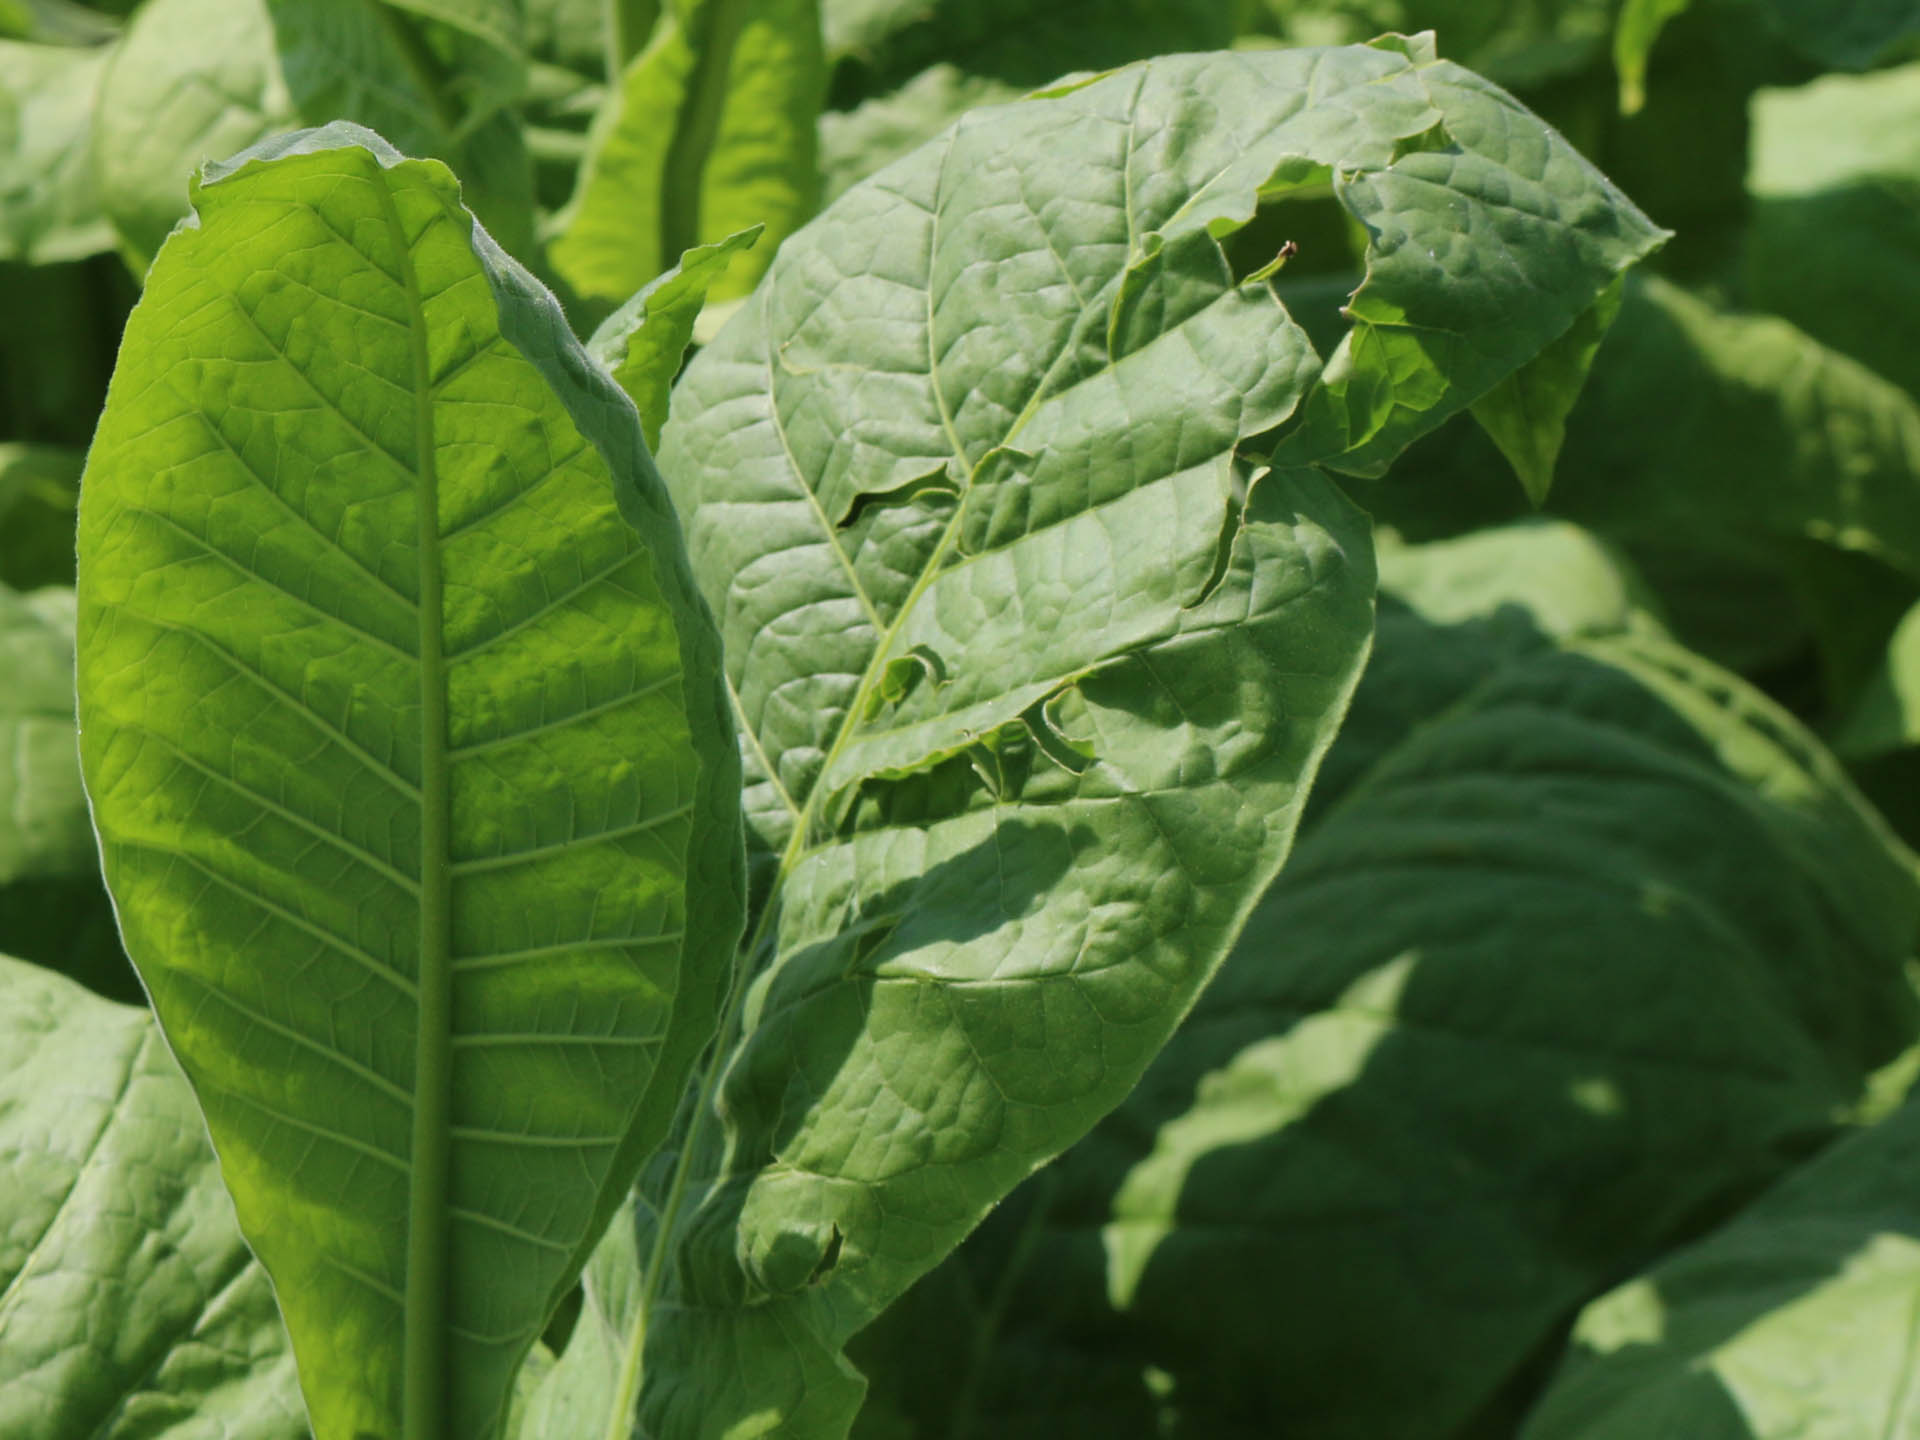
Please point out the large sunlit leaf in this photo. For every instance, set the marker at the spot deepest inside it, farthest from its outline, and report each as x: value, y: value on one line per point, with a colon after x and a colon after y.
x: 711, y: 131
x: 1796, y: 1322
x: 1034, y: 658
x: 1454, y: 1078
x: 406, y: 743
x: 129, y: 1305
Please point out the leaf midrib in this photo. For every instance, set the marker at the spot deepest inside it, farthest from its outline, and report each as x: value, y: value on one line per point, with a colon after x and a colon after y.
x: 425, y: 1389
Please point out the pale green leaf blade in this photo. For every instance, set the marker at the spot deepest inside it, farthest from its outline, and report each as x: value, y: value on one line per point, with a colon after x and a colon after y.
x: 1639, y: 24
x: 1794, y: 1321
x: 644, y: 341
x: 404, y: 691
x: 192, y: 81
x: 1454, y: 1080
x: 129, y: 1305
x: 48, y: 205
x: 53, y: 910
x: 1035, y: 661
x: 201, y: 79
x: 712, y: 130
x: 1526, y: 414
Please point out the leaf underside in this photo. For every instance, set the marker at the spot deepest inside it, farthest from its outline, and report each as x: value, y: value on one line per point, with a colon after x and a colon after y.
x: 404, y: 738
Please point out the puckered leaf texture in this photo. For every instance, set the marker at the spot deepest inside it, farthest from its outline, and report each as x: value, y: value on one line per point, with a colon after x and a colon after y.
x: 407, y: 746
x: 1034, y: 650
x: 129, y: 1305
x: 1407, y: 1129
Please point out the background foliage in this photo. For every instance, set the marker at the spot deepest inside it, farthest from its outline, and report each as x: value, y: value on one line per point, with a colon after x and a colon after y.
x: 1554, y: 1090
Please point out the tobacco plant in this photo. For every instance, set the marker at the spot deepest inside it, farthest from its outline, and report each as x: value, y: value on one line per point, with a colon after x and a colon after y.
x: 1031, y: 841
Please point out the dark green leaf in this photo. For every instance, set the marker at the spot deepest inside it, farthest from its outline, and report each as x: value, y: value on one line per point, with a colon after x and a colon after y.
x: 1454, y: 1078
x: 1795, y: 1321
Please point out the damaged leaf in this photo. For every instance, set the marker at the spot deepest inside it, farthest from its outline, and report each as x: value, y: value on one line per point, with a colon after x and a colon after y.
x: 1040, y: 609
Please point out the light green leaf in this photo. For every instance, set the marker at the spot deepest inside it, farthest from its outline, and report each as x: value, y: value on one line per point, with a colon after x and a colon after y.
x: 711, y: 131
x: 1834, y: 243
x: 129, y: 1305
x: 48, y: 209
x: 39, y: 488
x: 643, y: 342
x: 1034, y: 659
x: 1526, y: 414
x: 407, y: 746
x: 200, y: 79
x: 854, y: 143
x: 53, y: 910
x: 1793, y: 1323
x: 1407, y: 1128
x: 1638, y: 26
x: 193, y: 80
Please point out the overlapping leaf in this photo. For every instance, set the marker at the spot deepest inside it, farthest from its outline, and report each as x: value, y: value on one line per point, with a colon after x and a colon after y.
x: 52, y: 908
x: 711, y: 131
x: 196, y: 80
x: 129, y: 1305
x: 48, y: 206
x: 1793, y: 1322
x: 1454, y: 1077
x: 1034, y: 660
x: 406, y: 743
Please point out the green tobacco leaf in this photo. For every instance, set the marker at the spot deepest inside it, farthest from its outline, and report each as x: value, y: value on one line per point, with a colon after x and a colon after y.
x: 196, y: 80
x: 1724, y: 450
x: 1035, y: 661
x: 407, y: 745
x: 129, y: 1304
x: 1638, y: 26
x: 39, y: 488
x: 855, y: 143
x: 1887, y: 715
x: 1526, y: 414
x: 1835, y: 179
x: 1847, y: 34
x: 52, y: 908
x: 643, y: 342
x: 1795, y: 1322
x: 48, y: 208
x: 1406, y: 1128
x: 713, y: 131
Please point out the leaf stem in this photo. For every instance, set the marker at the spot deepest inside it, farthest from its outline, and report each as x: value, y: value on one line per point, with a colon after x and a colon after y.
x: 425, y: 1384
